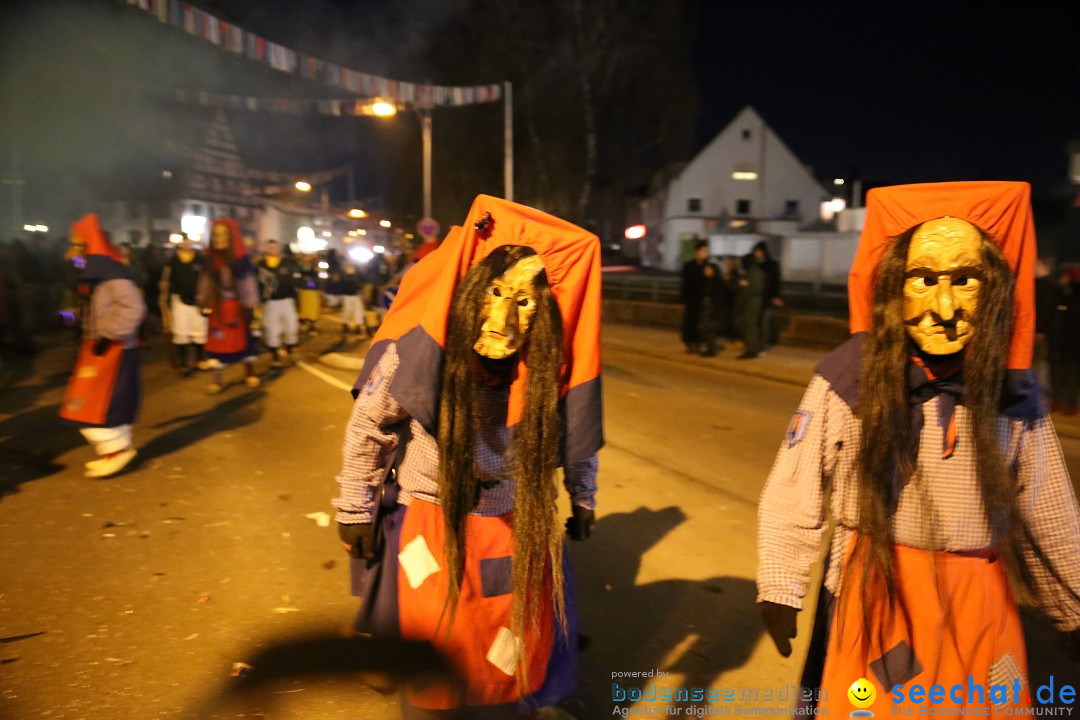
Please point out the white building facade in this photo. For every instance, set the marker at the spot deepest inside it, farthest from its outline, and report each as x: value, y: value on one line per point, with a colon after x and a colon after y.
x: 744, y: 176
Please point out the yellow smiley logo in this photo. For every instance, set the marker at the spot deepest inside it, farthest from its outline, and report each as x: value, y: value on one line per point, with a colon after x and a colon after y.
x: 862, y: 693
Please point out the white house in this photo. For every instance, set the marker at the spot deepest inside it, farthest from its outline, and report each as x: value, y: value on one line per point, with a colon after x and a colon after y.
x: 746, y: 177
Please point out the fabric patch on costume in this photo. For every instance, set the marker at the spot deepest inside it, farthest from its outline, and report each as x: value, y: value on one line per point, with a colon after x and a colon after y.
x: 495, y: 576
x: 417, y: 562
x: 1005, y: 671
x: 897, y: 666
x: 505, y: 651
x: 372, y: 383
x: 800, y: 423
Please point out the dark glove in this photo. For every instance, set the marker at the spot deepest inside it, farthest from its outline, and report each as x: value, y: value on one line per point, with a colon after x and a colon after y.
x: 361, y: 536
x: 102, y: 345
x: 780, y: 622
x: 580, y: 526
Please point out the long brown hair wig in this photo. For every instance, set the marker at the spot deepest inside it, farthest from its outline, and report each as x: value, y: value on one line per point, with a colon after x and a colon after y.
x: 888, y: 448
x: 535, y: 446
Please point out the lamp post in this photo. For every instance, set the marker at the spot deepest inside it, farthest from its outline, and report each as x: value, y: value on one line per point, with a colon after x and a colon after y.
x: 425, y: 141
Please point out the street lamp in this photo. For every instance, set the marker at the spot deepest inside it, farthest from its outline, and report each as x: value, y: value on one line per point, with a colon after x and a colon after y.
x: 384, y: 223
x: 357, y: 213
x: 303, y: 186
x: 383, y: 108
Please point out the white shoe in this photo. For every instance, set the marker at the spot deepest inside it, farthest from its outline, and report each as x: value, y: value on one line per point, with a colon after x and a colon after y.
x: 252, y: 381
x: 110, y: 464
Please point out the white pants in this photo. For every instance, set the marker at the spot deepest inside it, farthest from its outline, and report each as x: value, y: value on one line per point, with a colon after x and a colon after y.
x: 352, y: 310
x: 107, y: 441
x: 280, y: 321
x: 189, y: 325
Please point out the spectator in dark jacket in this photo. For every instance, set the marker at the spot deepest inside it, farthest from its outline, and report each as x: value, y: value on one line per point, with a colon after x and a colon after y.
x: 690, y: 293
x: 1045, y: 289
x: 1065, y: 343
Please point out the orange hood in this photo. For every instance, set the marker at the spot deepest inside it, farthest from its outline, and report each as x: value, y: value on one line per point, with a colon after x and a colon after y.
x: 1003, y: 209
x: 571, y: 258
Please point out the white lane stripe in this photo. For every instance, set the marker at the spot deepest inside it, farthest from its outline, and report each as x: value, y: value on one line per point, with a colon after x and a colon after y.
x: 324, y: 377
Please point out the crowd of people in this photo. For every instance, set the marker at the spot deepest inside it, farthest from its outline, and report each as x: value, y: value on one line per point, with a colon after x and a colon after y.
x: 218, y: 306
x: 729, y: 301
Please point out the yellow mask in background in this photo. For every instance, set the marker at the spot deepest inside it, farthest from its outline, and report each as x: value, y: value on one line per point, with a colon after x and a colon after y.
x: 76, y: 246
x: 219, y: 237
x: 272, y: 261
x: 508, y: 310
x: 941, y: 285
x: 186, y: 255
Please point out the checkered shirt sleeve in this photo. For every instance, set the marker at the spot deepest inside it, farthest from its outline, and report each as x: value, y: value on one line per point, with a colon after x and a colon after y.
x: 369, y: 443
x: 1048, y: 504
x: 792, y: 510
x: 940, y: 507
x: 580, y: 481
x: 371, y: 438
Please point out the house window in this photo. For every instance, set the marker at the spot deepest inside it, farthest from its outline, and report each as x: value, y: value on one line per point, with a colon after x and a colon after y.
x: 791, y: 208
x: 742, y: 207
x: 693, y: 205
x: 746, y: 134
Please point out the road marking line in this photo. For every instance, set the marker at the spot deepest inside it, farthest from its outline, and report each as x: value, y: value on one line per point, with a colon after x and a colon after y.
x: 324, y: 377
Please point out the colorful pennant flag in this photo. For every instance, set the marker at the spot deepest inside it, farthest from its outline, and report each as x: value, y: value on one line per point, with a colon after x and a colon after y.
x: 236, y: 40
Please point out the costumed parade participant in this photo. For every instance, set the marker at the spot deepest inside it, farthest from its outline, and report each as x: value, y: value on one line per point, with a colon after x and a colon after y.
x: 929, y: 435
x: 353, y: 321
x: 278, y: 276
x: 104, y: 392
x: 229, y: 295
x: 483, y: 380
x: 179, y: 286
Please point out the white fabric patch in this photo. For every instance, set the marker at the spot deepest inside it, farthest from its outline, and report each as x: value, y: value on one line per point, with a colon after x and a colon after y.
x: 417, y: 562
x: 505, y: 651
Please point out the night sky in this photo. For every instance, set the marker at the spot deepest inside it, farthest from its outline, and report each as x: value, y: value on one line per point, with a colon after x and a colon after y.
x: 900, y: 92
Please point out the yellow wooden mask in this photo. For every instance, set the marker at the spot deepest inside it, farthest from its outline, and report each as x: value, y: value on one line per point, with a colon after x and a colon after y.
x: 219, y: 238
x: 509, y: 307
x: 941, y: 284
x: 76, y: 246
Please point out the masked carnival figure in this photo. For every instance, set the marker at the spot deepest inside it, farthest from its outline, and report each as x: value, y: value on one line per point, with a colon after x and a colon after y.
x: 482, y: 381
x: 104, y: 392
x: 229, y: 295
x: 926, y: 441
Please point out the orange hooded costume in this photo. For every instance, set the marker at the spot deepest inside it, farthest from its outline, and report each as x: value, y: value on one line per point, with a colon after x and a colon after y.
x: 953, y: 621
x: 105, y: 387
x: 478, y: 642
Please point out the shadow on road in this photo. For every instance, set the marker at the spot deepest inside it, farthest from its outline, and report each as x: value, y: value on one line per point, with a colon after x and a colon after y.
x: 189, y: 429
x: 694, y: 628
x: 261, y: 685
x: 30, y: 442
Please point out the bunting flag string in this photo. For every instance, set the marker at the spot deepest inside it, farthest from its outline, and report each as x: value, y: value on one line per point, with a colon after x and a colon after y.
x: 238, y: 41
x: 279, y: 106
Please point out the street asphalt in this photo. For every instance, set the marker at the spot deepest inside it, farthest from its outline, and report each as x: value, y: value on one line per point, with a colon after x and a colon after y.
x: 147, y: 594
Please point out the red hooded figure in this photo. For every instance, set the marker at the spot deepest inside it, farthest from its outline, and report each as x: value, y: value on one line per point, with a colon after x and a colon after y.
x: 103, y: 395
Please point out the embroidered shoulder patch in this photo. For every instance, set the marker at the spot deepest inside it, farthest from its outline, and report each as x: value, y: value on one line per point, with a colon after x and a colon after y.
x: 372, y: 383
x: 798, y: 426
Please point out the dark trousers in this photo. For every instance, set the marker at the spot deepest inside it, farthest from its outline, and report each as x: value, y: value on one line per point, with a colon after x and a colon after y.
x: 752, y: 326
